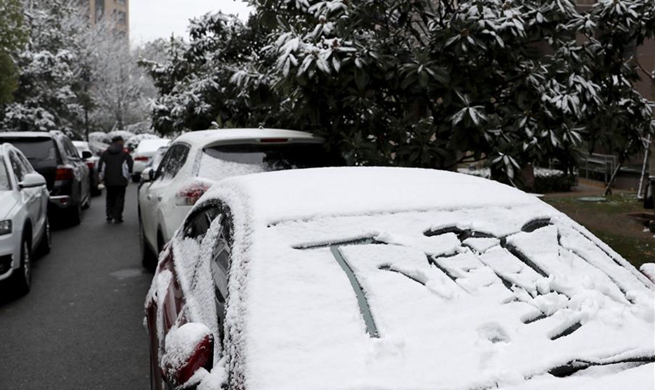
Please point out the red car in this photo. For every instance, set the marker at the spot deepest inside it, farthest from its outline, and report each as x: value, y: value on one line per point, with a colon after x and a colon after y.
x: 382, y: 278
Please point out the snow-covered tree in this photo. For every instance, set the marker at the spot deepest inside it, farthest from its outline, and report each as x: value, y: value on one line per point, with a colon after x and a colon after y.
x: 48, y: 72
x: 115, y: 89
x: 195, y: 82
x: 420, y: 83
x: 12, y: 36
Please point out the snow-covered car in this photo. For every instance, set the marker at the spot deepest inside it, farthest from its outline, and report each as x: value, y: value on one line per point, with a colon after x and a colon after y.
x: 91, y: 160
x: 142, y: 154
x: 196, y: 160
x: 388, y: 278
x: 24, y: 226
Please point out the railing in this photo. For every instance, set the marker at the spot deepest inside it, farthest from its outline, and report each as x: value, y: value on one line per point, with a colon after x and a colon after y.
x: 603, y: 164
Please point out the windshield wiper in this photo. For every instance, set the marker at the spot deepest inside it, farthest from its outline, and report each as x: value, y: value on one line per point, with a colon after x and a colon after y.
x: 576, y: 365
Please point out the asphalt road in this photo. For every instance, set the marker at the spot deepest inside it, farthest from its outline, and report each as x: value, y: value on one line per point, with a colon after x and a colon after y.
x: 81, y: 326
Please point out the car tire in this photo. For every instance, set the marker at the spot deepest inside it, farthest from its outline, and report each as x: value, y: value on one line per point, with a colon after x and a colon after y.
x: 46, y: 241
x: 148, y: 258
x: 23, y: 276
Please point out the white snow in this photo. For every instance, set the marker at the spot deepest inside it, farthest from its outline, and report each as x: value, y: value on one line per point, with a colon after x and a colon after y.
x: 454, y: 310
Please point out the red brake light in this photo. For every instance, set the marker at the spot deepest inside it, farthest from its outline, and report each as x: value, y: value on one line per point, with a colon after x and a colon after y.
x: 90, y: 164
x: 64, y: 173
x: 273, y: 140
x: 141, y: 158
x: 189, y: 195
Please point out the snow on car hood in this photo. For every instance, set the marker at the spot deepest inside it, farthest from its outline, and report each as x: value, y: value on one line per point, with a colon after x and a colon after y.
x: 466, y: 284
x: 7, y: 203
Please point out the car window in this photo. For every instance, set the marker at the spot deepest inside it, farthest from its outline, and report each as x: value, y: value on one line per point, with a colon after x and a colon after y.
x: 5, y: 184
x: 26, y: 164
x: 198, y: 224
x: 174, y: 161
x: 17, y: 166
x: 70, y: 150
x: 37, y: 150
x: 222, y: 161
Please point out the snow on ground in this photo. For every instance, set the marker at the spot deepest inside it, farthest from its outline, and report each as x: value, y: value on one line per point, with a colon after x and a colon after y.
x: 466, y: 284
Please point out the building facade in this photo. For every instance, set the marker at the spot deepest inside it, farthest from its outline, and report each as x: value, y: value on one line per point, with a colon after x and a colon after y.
x: 118, y: 10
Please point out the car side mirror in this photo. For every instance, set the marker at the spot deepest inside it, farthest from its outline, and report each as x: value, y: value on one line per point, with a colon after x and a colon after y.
x: 187, y: 349
x: 648, y: 269
x: 148, y: 174
x: 32, y: 180
x: 86, y: 154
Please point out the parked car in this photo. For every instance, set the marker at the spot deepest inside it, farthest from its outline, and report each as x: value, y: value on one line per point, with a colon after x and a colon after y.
x: 196, y: 160
x: 91, y: 159
x: 143, y: 153
x: 390, y: 278
x: 53, y: 155
x: 24, y: 226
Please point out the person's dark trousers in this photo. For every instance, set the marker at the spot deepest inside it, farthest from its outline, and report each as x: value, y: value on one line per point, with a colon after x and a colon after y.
x: 115, y: 202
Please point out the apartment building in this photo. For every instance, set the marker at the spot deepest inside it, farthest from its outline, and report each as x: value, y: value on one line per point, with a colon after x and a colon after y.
x: 119, y: 10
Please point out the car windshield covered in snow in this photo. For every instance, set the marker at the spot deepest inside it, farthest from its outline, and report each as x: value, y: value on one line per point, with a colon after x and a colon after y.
x: 4, y: 176
x: 238, y: 159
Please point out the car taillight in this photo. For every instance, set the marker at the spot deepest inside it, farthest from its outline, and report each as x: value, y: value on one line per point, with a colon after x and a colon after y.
x: 64, y: 173
x: 90, y: 164
x: 141, y: 158
x: 189, y: 195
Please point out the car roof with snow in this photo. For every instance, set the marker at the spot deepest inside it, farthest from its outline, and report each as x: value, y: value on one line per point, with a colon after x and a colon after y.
x: 26, y: 134
x: 383, y: 278
x: 152, y: 144
x: 206, y: 137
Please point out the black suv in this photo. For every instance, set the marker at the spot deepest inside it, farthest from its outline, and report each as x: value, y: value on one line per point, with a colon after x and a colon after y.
x: 53, y: 155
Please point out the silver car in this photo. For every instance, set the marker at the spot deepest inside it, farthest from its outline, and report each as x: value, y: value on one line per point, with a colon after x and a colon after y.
x: 24, y: 226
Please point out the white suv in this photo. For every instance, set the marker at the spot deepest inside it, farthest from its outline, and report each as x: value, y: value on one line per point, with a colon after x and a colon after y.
x: 24, y: 226
x: 196, y: 160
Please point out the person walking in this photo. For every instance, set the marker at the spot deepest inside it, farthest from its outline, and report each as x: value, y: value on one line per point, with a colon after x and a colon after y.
x: 115, y: 168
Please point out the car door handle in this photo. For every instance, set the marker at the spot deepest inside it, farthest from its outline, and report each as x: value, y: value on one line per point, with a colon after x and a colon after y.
x: 149, y: 197
x: 159, y: 198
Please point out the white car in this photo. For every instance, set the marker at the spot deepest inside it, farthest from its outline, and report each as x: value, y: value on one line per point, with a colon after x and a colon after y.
x: 389, y: 278
x: 24, y: 226
x: 142, y: 154
x: 196, y: 160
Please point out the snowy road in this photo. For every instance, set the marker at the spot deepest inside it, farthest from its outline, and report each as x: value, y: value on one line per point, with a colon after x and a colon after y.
x: 81, y: 326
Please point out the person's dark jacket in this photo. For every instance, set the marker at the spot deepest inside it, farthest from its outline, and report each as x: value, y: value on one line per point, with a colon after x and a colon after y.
x: 111, y: 166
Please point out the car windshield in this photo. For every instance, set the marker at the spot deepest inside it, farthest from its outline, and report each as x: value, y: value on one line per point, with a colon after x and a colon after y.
x: 4, y: 177
x: 36, y: 149
x: 223, y: 161
x: 156, y: 159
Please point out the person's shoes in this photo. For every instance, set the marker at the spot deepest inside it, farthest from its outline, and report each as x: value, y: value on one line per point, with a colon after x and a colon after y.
x: 118, y: 220
x: 109, y: 220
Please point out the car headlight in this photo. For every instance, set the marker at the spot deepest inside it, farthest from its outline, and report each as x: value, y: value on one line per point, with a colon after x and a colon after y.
x: 5, y: 227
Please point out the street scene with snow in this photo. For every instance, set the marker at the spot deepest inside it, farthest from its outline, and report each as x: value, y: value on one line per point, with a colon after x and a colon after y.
x: 327, y: 195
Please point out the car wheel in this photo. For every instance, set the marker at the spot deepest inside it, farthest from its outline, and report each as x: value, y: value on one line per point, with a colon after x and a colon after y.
x: 148, y: 259
x: 23, y: 276
x: 46, y: 241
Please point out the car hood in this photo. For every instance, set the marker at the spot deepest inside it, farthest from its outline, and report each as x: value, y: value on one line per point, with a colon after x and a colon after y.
x: 460, y: 299
x: 8, y: 201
